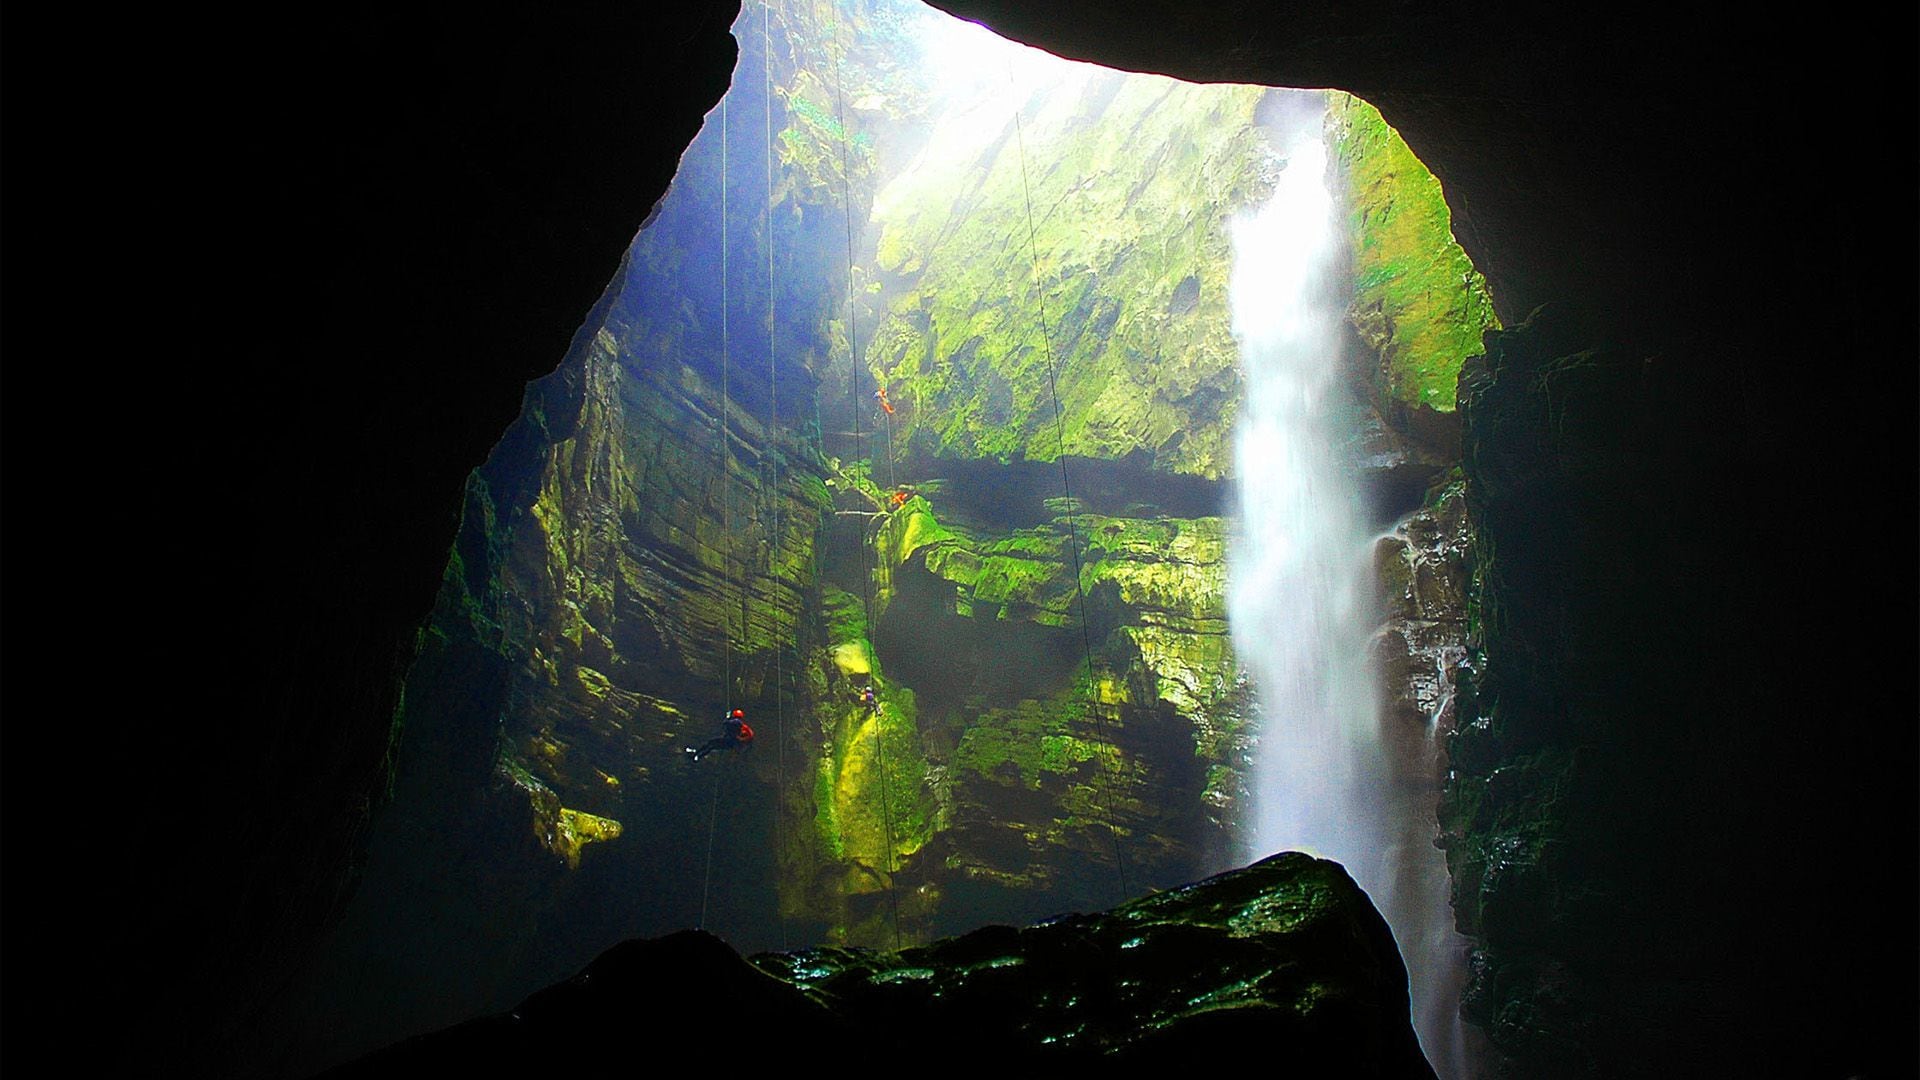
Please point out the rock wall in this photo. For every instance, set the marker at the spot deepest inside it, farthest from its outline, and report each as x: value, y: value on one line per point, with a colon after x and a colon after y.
x: 1620, y: 871
x: 636, y: 555
x: 1284, y: 958
x: 979, y: 699
x: 1058, y: 781
x: 386, y: 259
x: 1071, y: 756
x: 1085, y: 231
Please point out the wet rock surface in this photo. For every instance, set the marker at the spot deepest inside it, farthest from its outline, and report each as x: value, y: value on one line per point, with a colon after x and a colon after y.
x: 1422, y: 569
x: 1686, y: 669
x: 383, y: 261
x: 1628, y: 763
x: 1057, y: 779
x: 389, y: 225
x: 1284, y: 959
x: 980, y: 698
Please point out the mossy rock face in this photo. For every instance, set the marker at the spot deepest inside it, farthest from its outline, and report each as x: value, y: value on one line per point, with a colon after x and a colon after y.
x: 873, y: 807
x: 1057, y: 713
x: 1421, y: 570
x: 1284, y: 960
x: 1418, y: 303
x: 1058, y: 780
x: 1285, y: 955
x: 1006, y: 269
x: 637, y: 554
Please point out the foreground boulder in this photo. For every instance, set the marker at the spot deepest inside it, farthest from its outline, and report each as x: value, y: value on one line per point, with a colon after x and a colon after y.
x: 1285, y: 958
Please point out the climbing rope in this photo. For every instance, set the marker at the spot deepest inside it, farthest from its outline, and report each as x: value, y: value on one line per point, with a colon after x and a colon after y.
x: 706, y: 877
x: 1073, y: 539
x: 725, y: 461
x: 892, y: 485
x: 853, y: 392
x: 726, y: 456
x: 773, y: 460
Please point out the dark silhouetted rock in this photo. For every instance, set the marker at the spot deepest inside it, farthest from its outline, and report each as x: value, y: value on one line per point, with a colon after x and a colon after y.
x: 1285, y: 959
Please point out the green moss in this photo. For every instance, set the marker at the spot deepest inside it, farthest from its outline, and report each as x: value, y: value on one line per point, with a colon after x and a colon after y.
x: 575, y: 829
x: 1170, y: 572
x: 560, y: 829
x: 844, y: 616
x: 1027, y: 576
x: 1034, y: 740
x: 856, y: 478
x: 1059, y: 753
x: 845, y: 620
x: 826, y: 809
x: 1417, y: 299
x: 980, y: 305
x: 908, y: 529
x: 873, y: 804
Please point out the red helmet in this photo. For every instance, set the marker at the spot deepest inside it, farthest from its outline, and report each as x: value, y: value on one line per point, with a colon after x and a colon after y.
x: 738, y: 713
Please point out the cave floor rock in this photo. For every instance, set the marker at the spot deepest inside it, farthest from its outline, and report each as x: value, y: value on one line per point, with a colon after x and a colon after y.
x: 1286, y: 958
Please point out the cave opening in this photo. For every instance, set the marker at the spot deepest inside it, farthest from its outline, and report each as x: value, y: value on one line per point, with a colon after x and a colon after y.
x: 1683, y: 779
x: 923, y: 380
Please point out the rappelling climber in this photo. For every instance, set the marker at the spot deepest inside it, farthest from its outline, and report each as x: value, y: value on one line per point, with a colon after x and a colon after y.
x: 735, y: 733
x: 900, y: 497
x: 880, y: 395
x: 870, y: 699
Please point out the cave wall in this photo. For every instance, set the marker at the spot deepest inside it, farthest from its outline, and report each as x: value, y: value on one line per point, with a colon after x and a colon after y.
x: 1285, y: 957
x: 651, y: 542
x: 340, y: 245
x: 1067, y: 765
x: 1687, y: 160
x: 1638, y: 753
x: 635, y: 556
x: 1632, y: 761
x: 608, y: 583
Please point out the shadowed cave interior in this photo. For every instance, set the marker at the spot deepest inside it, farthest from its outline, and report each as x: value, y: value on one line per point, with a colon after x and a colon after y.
x: 1694, y: 708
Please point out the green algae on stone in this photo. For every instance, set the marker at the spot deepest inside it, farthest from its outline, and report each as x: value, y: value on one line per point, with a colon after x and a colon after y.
x: 576, y: 829
x: 562, y: 830
x: 1077, y: 742
x: 1417, y: 300
x: 1117, y: 283
x: 624, y: 574
x: 1152, y: 987
x: 1171, y: 571
x: 1287, y: 954
x: 872, y: 804
x: 1038, y: 740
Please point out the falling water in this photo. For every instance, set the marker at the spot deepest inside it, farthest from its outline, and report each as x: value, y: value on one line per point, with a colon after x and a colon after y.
x: 1299, y: 584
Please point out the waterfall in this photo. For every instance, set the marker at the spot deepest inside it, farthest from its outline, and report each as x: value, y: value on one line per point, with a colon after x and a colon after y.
x: 1299, y: 586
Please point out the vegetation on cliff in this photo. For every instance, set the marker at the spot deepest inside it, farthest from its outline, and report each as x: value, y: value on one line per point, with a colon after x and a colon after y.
x: 1088, y: 234
x: 656, y: 539
x: 1047, y: 766
x: 1418, y: 302
x: 873, y: 806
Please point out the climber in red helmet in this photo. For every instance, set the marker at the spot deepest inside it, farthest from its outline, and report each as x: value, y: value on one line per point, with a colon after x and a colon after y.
x: 734, y: 734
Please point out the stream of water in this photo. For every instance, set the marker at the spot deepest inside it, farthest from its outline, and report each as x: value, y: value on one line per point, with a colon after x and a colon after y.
x: 1299, y: 589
